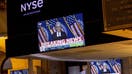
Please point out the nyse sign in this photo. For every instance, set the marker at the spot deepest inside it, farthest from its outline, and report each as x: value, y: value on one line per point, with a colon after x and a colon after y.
x: 31, y: 7
x: 117, y: 14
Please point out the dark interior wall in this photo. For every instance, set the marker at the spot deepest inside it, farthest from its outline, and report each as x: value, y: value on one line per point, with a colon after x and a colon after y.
x: 69, y: 64
x: 127, y: 65
x: 3, y: 21
x: 53, y: 67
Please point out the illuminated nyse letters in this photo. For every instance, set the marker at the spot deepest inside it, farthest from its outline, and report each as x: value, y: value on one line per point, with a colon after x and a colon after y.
x: 31, y: 5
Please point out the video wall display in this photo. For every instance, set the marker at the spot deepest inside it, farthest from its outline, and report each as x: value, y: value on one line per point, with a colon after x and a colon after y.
x: 106, y: 67
x: 60, y: 33
x: 19, y: 71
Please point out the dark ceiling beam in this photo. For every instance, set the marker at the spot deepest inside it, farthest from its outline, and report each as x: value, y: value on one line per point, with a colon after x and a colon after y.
x: 2, y: 4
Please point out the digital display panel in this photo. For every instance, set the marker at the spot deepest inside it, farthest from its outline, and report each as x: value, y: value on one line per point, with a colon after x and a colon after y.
x: 106, y: 67
x: 60, y: 33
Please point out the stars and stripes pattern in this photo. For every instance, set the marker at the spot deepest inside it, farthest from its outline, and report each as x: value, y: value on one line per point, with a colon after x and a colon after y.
x: 115, y: 66
x: 100, y: 65
x: 41, y: 34
x: 94, y: 69
x: 51, y: 25
x: 74, y: 25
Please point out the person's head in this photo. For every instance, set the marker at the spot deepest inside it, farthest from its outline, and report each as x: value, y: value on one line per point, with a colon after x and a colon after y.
x: 105, y: 66
x: 84, y: 67
x: 58, y: 26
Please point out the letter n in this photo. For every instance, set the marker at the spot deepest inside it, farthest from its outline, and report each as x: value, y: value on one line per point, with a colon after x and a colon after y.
x: 23, y: 7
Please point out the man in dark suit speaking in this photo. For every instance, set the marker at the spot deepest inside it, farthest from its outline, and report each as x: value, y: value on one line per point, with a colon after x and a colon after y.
x: 59, y: 34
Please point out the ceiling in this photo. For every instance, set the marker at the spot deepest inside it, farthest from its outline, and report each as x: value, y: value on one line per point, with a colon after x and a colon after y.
x: 118, y: 49
x: 95, y: 52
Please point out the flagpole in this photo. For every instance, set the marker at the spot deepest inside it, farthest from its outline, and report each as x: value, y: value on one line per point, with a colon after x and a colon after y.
x: 49, y: 27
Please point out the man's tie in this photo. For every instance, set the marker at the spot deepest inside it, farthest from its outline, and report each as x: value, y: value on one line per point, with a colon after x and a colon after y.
x: 58, y: 34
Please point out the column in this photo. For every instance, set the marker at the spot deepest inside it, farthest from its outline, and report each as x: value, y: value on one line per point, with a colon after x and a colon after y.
x: 30, y: 66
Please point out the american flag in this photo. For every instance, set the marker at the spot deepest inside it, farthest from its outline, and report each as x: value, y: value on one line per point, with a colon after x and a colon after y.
x: 73, y: 25
x: 115, y: 66
x: 41, y: 34
x: 51, y: 25
x: 100, y: 65
x: 94, y: 69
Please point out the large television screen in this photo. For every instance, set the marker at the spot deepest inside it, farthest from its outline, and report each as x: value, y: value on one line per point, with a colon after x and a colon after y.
x: 106, y: 67
x: 25, y: 71
x: 62, y: 32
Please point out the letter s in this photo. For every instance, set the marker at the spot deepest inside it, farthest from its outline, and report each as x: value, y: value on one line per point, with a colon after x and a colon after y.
x: 34, y: 5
